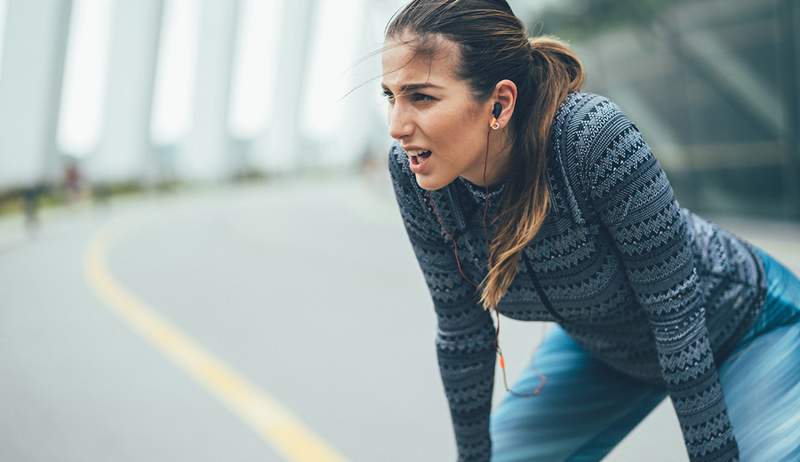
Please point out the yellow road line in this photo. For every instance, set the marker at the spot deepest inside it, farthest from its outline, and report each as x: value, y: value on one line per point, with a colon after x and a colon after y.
x: 273, y: 422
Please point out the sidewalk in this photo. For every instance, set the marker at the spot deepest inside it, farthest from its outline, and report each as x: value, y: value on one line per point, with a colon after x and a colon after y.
x: 14, y: 232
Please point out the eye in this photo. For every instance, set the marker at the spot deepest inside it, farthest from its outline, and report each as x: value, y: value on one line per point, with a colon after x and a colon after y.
x: 422, y: 97
x: 389, y: 96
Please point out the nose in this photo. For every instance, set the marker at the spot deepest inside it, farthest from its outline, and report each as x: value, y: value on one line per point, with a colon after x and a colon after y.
x: 401, y: 124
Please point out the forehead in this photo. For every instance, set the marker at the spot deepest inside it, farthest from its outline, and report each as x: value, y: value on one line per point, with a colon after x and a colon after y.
x: 402, y: 65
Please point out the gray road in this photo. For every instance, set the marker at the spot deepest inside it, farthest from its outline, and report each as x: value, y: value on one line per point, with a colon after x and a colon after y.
x: 306, y: 289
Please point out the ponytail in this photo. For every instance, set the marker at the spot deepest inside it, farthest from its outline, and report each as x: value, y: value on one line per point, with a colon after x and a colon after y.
x: 555, y: 71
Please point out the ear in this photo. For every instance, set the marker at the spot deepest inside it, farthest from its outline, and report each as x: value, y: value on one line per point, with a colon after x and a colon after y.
x: 505, y: 93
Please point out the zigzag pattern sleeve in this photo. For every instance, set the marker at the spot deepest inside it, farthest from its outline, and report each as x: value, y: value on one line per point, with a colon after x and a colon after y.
x: 636, y: 205
x: 465, y: 332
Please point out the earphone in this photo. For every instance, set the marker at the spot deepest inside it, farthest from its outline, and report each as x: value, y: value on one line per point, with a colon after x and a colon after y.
x: 496, y: 109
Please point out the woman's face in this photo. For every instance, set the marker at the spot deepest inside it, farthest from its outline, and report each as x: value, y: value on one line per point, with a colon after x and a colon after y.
x: 430, y: 109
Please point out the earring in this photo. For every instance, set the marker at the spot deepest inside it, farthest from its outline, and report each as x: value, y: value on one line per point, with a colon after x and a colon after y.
x: 495, y: 124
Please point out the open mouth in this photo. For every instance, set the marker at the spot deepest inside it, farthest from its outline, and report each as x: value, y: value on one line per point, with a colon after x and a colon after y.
x: 419, y: 158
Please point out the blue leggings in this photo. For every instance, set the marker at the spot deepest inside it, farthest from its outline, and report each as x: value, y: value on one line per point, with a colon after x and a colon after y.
x: 585, y: 408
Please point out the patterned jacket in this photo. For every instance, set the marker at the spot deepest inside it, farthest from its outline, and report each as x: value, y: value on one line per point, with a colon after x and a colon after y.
x: 647, y: 287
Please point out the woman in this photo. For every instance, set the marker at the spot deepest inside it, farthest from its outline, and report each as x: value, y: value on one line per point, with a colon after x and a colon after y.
x: 523, y: 196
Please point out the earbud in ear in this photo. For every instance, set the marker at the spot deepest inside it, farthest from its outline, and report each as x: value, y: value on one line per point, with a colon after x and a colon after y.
x: 496, y: 110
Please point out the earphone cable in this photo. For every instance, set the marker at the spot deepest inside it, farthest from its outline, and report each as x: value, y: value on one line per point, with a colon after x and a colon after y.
x: 452, y: 239
x: 501, y: 358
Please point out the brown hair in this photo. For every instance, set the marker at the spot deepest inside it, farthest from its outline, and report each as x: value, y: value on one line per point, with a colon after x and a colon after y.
x: 494, y: 45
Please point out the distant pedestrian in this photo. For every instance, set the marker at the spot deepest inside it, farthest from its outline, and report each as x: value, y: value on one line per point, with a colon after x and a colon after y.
x: 525, y: 197
x: 72, y: 182
x: 30, y: 207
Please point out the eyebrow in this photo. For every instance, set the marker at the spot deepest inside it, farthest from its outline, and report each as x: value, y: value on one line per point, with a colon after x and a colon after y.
x: 410, y: 87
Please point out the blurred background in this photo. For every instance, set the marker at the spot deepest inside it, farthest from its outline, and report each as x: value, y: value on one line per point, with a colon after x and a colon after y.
x: 109, y: 95
x: 208, y: 176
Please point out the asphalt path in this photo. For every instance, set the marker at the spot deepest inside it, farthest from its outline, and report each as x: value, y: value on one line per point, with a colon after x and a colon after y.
x: 279, y: 321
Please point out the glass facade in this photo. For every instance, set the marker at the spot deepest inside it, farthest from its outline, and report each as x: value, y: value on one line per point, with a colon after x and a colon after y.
x: 713, y: 86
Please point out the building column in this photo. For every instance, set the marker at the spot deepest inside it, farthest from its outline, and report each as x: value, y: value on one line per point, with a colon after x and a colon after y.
x: 30, y: 91
x: 125, y: 152
x: 206, y: 154
x: 364, y: 124
x: 281, y: 148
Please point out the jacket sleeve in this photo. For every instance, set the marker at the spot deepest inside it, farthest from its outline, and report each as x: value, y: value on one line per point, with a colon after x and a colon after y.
x: 465, y: 332
x: 634, y: 200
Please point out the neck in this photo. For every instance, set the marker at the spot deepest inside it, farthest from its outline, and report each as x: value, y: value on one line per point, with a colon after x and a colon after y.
x: 496, y: 165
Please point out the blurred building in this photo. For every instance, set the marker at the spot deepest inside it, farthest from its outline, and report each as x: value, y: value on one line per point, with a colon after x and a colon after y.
x: 156, y: 91
x: 714, y: 85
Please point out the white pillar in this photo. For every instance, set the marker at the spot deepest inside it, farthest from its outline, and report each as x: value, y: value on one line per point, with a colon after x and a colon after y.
x: 282, y: 146
x: 30, y: 90
x: 125, y: 152
x: 206, y: 153
x: 363, y: 131
x: 2, y: 33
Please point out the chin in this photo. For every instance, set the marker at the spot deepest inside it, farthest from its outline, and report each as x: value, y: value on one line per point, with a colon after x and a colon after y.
x: 432, y: 183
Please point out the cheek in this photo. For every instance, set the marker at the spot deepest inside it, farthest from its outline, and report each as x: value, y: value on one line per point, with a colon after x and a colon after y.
x: 457, y: 131
x: 469, y: 127
x: 468, y: 130
x: 456, y: 126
